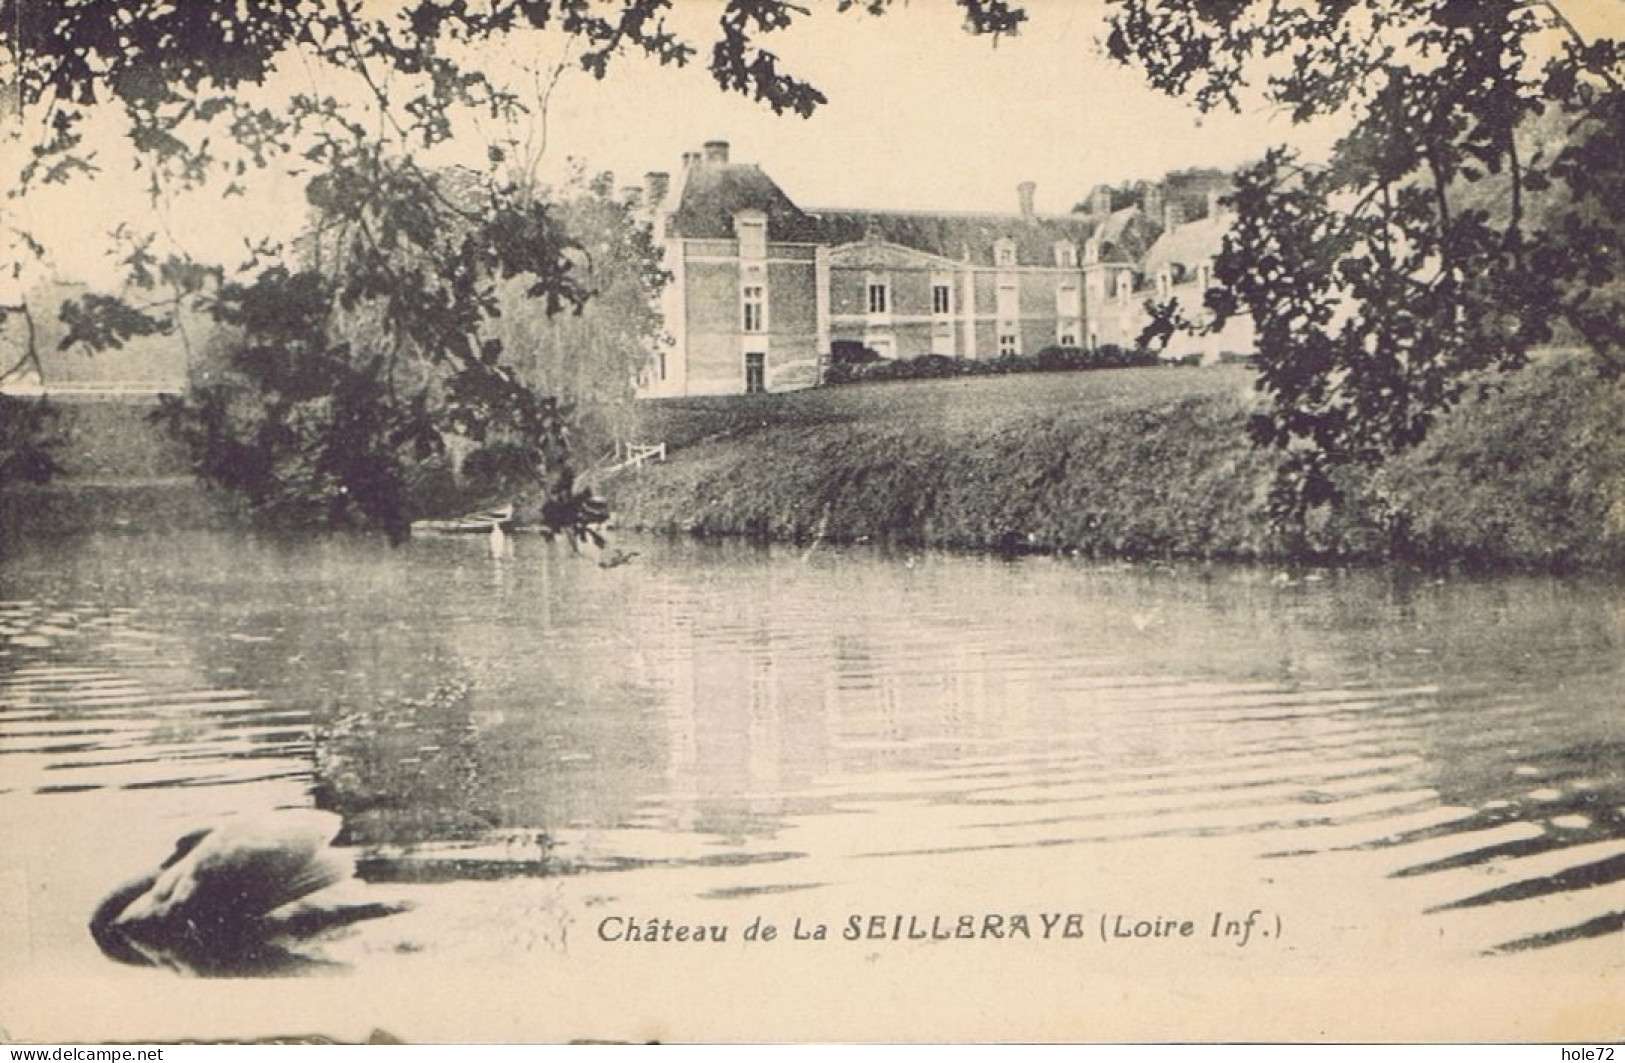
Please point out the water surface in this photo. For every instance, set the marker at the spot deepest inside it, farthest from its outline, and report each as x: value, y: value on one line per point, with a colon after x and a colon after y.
x: 1369, y: 756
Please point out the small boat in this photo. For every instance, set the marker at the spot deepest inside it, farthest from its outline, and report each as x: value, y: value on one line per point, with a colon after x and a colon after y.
x: 477, y: 523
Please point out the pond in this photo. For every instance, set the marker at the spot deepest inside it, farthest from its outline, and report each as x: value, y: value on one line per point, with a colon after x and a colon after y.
x: 943, y: 762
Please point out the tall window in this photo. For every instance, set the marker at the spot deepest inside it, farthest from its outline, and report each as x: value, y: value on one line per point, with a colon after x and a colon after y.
x: 755, y: 308
x: 877, y: 297
x: 942, y: 299
x: 1066, y: 300
x: 755, y: 372
x: 1007, y: 302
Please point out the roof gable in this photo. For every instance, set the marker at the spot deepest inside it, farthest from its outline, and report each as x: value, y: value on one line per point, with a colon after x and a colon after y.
x: 879, y: 254
x: 1126, y: 235
x: 960, y: 238
x: 1188, y: 245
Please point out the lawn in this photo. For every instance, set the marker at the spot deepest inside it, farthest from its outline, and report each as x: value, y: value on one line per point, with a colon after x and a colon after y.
x: 1127, y: 461
x: 1136, y: 462
x: 951, y: 405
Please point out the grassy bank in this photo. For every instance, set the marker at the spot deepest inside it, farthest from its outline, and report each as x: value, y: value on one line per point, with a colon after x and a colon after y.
x: 113, y: 441
x: 119, y: 471
x: 1134, y: 462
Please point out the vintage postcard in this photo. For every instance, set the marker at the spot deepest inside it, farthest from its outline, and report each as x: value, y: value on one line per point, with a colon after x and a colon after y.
x: 930, y: 672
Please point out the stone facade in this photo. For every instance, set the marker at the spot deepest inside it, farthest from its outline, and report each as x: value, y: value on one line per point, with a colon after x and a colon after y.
x: 763, y: 292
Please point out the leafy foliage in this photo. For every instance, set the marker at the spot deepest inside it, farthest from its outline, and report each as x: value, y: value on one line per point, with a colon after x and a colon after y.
x: 294, y: 423
x: 27, y: 441
x: 590, y: 358
x: 335, y: 384
x: 1438, y: 242
x: 170, y: 64
x: 423, y: 307
x: 28, y: 427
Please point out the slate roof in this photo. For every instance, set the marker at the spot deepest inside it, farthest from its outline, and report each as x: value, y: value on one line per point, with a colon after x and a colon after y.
x: 1126, y: 235
x: 712, y: 193
x: 1188, y: 245
x: 956, y: 236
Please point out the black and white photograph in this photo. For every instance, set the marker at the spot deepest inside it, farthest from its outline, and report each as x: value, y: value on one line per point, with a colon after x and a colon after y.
x: 808, y: 521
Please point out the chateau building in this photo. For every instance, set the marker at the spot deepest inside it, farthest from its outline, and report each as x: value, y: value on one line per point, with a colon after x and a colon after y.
x: 763, y: 292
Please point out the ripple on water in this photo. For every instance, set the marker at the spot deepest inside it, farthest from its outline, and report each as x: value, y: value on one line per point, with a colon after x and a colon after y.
x: 768, y: 726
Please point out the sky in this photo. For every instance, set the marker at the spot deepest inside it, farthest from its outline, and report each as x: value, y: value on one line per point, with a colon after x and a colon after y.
x: 922, y: 115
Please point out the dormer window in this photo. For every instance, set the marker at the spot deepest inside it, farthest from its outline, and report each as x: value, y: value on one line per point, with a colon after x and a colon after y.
x: 1125, y: 285
x: 751, y: 229
x: 1004, y: 252
x: 1066, y: 256
x: 1091, y: 251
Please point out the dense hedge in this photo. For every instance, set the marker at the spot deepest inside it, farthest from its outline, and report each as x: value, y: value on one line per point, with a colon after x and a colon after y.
x: 938, y: 366
x: 28, y: 441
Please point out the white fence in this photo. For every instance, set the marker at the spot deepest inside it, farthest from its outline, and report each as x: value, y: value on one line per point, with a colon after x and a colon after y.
x: 87, y: 390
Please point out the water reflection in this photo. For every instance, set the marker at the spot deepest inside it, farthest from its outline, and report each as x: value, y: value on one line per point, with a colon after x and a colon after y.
x: 773, y: 719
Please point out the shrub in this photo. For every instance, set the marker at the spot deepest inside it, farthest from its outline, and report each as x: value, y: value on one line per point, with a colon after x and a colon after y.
x: 851, y: 352
x: 28, y: 439
x: 938, y: 366
x: 845, y: 359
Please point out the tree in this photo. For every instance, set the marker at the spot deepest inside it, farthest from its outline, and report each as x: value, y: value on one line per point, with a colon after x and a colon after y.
x: 592, y: 359
x: 27, y: 439
x: 1383, y: 284
x: 434, y: 359
x: 1471, y: 213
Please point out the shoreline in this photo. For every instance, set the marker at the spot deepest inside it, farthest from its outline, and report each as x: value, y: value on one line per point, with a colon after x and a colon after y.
x: 1132, y: 464
x: 1154, y: 464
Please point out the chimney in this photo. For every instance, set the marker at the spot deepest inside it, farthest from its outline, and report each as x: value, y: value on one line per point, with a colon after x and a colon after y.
x: 1100, y: 200
x: 690, y: 158
x: 1024, y: 194
x: 1173, y: 216
x: 716, y: 151
x: 658, y: 182
x: 1152, y: 205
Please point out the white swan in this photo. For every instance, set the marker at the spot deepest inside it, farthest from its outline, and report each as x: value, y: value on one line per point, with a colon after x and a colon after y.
x: 237, y: 899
